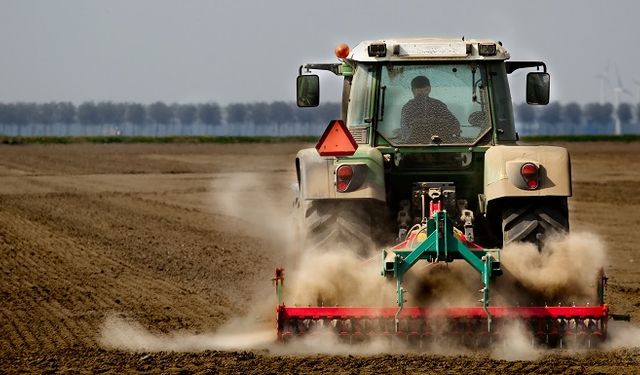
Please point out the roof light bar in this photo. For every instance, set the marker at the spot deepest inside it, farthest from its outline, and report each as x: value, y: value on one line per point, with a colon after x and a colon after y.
x: 487, y: 49
x: 377, y: 50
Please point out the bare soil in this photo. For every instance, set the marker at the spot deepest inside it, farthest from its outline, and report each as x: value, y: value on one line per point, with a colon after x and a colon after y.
x: 150, y: 232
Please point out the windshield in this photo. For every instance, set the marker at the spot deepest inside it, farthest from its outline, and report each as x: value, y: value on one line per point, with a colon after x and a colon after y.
x: 433, y: 104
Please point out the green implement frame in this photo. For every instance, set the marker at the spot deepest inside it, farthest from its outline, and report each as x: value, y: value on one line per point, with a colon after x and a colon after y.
x: 440, y: 245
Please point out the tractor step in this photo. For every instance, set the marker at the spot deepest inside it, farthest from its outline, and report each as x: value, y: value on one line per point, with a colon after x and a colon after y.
x: 576, y: 326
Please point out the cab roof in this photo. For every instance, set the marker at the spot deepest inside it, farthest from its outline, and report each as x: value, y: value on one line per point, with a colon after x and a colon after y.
x: 415, y: 49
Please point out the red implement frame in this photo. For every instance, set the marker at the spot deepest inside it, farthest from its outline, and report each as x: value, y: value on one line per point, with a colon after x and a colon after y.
x: 452, y: 312
x: 548, y: 324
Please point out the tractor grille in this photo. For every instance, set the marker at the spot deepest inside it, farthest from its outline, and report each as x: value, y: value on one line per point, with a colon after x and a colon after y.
x: 360, y: 134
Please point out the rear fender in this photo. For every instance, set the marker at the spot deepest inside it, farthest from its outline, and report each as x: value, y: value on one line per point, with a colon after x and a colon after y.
x: 502, y: 176
x: 317, y: 175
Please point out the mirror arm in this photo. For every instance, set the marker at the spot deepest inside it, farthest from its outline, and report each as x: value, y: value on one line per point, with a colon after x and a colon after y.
x: 512, y: 66
x: 333, y: 68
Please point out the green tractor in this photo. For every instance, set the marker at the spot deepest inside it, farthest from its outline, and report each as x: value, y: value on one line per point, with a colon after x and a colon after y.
x: 430, y: 114
x: 425, y: 164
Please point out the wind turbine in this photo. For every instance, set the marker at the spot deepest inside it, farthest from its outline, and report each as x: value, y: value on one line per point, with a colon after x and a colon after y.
x: 638, y: 93
x: 603, y: 77
x: 617, y: 92
x: 603, y: 80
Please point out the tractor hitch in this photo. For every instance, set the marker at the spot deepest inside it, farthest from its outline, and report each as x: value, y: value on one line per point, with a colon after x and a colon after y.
x: 439, y: 241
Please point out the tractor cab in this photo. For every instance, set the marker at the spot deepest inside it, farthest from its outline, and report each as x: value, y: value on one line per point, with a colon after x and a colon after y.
x: 427, y: 92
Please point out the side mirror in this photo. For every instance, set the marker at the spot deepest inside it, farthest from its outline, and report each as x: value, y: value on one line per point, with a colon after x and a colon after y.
x: 538, y: 88
x: 308, y: 90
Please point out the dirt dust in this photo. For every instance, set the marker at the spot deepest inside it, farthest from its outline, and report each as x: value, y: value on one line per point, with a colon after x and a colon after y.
x: 515, y: 345
x: 337, y: 277
x: 565, y: 271
x: 121, y: 334
x: 159, y: 258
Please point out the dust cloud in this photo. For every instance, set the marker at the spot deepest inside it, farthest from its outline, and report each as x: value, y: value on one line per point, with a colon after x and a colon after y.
x: 515, y: 344
x: 258, y: 202
x: 324, y: 341
x: 564, y: 271
x: 119, y: 333
x: 268, y: 215
x: 442, y: 285
x: 123, y: 334
x: 337, y: 277
x: 622, y: 334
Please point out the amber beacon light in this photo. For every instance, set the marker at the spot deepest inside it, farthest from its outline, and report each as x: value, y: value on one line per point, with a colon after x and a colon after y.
x: 342, y: 51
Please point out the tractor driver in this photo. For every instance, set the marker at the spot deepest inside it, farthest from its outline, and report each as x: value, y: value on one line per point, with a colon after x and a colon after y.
x: 425, y: 119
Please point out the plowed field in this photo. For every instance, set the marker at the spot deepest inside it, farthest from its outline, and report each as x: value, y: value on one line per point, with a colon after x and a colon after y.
x: 183, y: 238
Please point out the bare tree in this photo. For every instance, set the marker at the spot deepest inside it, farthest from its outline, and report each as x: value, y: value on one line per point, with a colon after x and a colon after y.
x: 111, y: 113
x: 44, y: 113
x: 186, y: 113
x: 281, y: 112
x: 525, y: 113
x: 160, y: 113
x: 551, y: 113
x: 598, y: 113
x: 65, y: 113
x: 88, y: 113
x: 572, y: 113
x: 210, y: 113
x: 259, y: 113
x: 236, y: 113
x: 624, y: 113
x: 135, y: 113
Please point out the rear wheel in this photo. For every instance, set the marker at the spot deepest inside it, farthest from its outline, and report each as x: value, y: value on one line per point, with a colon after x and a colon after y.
x: 353, y: 225
x: 533, y: 219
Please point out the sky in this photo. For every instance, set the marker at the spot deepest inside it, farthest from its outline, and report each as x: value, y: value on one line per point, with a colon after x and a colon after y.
x: 249, y: 50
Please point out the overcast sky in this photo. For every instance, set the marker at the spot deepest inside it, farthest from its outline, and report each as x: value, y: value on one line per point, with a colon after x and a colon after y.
x: 240, y: 50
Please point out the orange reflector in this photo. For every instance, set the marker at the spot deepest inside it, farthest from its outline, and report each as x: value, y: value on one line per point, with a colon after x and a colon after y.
x: 342, y: 51
x: 336, y: 140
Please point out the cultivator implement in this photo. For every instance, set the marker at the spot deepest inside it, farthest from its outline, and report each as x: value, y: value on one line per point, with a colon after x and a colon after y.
x: 573, y: 326
x: 436, y: 240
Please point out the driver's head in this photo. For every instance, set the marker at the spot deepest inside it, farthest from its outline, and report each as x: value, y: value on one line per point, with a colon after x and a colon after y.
x: 420, y: 86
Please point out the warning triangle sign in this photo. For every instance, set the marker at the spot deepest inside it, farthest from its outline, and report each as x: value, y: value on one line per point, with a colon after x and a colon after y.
x: 336, y: 140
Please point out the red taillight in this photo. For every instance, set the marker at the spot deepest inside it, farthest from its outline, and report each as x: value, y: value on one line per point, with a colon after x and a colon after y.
x: 342, y: 186
x: 529, y: 172
x: 529, y: 169
x: 344, y: 173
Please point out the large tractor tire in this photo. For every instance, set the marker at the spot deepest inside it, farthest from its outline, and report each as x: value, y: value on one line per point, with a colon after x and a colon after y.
x: 534, y: 219
x: 349, y: 225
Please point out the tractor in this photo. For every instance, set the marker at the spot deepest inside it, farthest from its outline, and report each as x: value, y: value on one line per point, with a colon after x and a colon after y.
x: 425, y: 163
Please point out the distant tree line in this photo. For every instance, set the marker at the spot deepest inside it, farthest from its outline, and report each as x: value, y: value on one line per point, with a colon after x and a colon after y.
x: 162, y: 118
x: 100, y: 113
x: 572, y: 118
